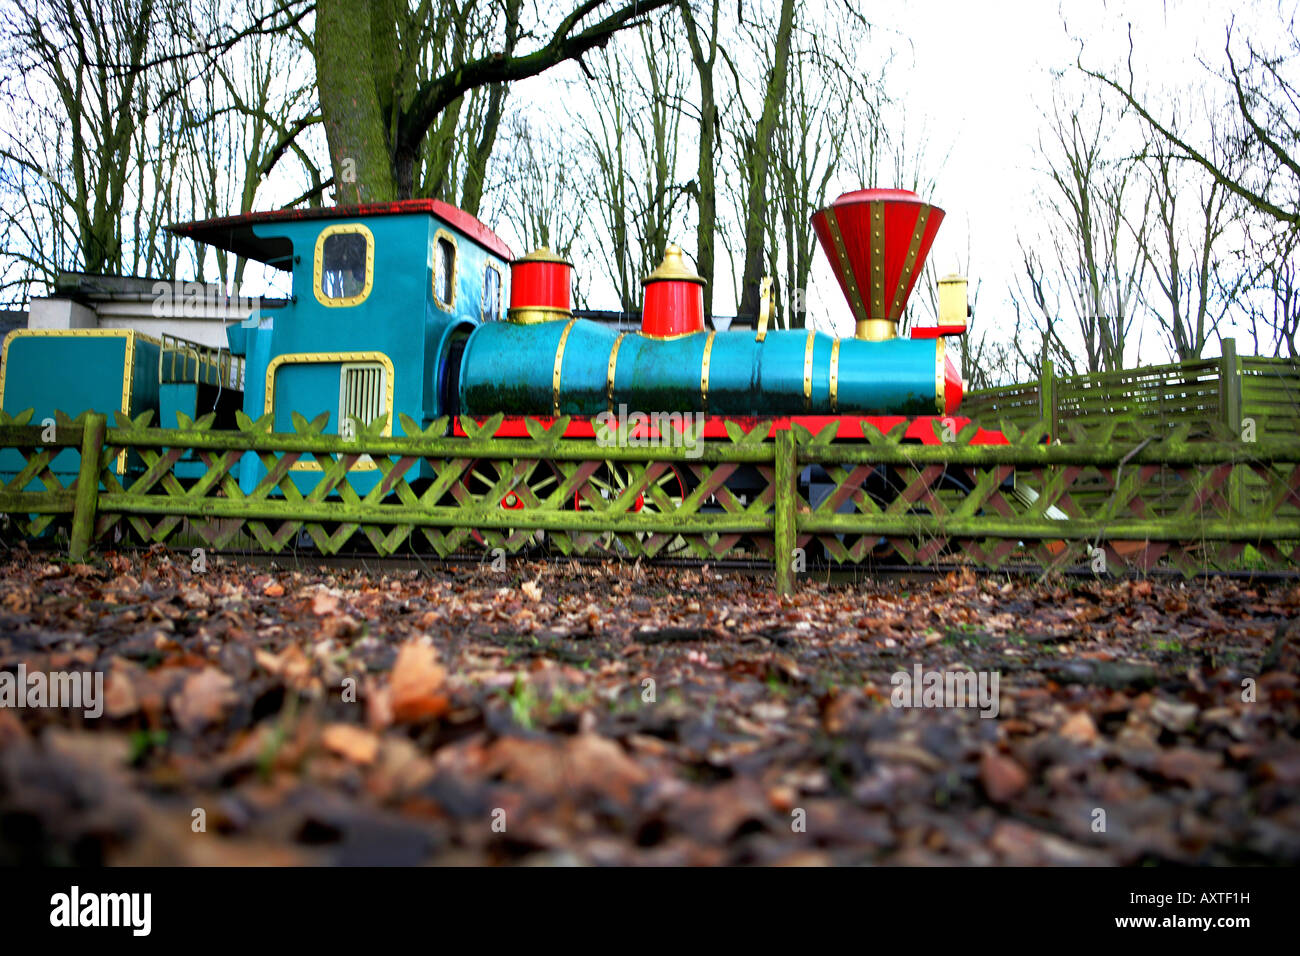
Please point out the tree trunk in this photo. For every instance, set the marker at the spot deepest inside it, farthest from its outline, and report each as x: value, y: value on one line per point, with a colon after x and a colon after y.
x: 706, y: 198
x: 350, y: 104
x: 707, y: 202
x: 760, y: 161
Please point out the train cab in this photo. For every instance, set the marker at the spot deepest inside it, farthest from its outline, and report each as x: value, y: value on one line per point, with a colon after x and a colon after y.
x: 384, y: 297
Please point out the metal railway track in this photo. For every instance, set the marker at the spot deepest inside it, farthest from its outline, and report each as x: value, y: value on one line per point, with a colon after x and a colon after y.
x: 831, y: 573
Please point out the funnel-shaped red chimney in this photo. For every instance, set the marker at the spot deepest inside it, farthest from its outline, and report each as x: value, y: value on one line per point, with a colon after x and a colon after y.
x: 877, y: 241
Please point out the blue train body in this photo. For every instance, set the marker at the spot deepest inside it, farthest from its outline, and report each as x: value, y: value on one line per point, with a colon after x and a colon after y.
x: 397, y: 310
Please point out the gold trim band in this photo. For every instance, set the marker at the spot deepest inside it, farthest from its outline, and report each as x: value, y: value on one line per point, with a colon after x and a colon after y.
x: 835, y: 376
x: 704, y: 373
x: 877, y: 246
x: 909, y: 261
x: 846, y: 270
x: 670, y: 338
x: 535, y: 315
x: 807, y: 370
x: 876, y: 330
x: 609, y: 375
x: 555, y: 372
x: 940, y: 346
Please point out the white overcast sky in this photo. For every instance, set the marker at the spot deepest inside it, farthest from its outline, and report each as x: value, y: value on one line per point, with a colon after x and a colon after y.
x: 978, y: 76
x: 980, y: 79
x: 974, y: 78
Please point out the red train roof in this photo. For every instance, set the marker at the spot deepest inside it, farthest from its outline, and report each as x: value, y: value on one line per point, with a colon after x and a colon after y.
x: 235, y: 233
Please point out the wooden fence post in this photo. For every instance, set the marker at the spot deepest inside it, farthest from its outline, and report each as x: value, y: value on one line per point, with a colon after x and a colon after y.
x: 83, y: 514
x: 1047, y: 398
x: 1230, y: 387
x: 1231, y: 412
x: 783, y: 511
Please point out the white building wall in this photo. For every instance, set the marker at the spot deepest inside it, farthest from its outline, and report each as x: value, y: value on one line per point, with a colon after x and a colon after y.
x: 60, y: 314
x: 197, y: 319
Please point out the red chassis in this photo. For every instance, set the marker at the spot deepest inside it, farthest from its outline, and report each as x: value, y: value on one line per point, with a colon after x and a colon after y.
x: 849, y: 427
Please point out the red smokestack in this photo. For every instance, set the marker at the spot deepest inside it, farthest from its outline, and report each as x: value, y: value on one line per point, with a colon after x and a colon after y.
x: 877, y: 241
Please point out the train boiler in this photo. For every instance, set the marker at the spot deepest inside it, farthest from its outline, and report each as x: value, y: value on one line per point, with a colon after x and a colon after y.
x: 544, y: 362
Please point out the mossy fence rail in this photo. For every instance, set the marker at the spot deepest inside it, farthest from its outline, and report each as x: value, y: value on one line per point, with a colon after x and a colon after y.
x: 1255, y: 395
x: 1158, y: 499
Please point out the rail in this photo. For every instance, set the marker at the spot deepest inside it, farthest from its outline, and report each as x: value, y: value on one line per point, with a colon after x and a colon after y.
x: 181, y: 361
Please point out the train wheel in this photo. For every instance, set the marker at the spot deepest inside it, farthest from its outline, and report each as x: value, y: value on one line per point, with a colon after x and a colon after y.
x: 484, y: 475
x: 614, y: 479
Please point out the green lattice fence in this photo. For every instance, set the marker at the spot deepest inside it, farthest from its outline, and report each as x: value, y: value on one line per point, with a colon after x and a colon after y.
x: 989, y: 506
x: 1218, y: 399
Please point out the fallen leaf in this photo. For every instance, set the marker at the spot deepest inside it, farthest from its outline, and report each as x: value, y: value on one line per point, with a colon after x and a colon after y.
x: 1172, y: 716
x: 291, y: 664
x: 352, y: 743
x: 416, y: 682
x: 203, y: 700
x: 1079, y: 728
x: 120, y: 699
x: 1001, y: 776
x: 324, y: 603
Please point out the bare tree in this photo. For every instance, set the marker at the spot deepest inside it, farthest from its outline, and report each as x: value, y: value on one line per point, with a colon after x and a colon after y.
x: 1261, y: 166
x: 808, y: 148
x: 541, y: 191
x: 1248, y: 154
x: 702, y: 31
x: 756, y: 145
x: 130, y: 128
x: 1192, y: 293
x: 75, y: 130
x: 388, y: 71
x: 634, y: 141
x: 1272, y: 303
x: 1095, y: 217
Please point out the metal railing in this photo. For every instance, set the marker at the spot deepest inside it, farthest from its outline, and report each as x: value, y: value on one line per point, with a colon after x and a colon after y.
x: 181, y: 361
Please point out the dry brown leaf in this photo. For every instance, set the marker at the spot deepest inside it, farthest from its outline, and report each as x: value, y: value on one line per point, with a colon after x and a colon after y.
x: 324, y: 603
x: 203, y: 700
x: 1079, y: 728
x: 291, y: 664
x: 352, y: 743
x: 120, y: 698
x: 415, y: 687
x: 1001, y: 776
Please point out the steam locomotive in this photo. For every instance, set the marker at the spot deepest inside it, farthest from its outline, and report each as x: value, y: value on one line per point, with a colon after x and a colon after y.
x: 401, y: 308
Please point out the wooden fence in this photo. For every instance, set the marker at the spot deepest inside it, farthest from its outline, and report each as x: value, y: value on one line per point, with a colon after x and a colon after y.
x: 1228, y: 395
x: 987, y: 505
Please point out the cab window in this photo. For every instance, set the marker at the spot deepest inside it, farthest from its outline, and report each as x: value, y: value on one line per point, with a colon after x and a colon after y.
x: 444, y: 270
x: 344, y: 267
x: 491, y: 293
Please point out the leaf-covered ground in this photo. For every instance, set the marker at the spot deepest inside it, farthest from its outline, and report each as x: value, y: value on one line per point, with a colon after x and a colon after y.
x: 464, y: 716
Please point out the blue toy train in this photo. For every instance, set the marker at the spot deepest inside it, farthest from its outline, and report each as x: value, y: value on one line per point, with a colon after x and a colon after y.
x: 401, y: 309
